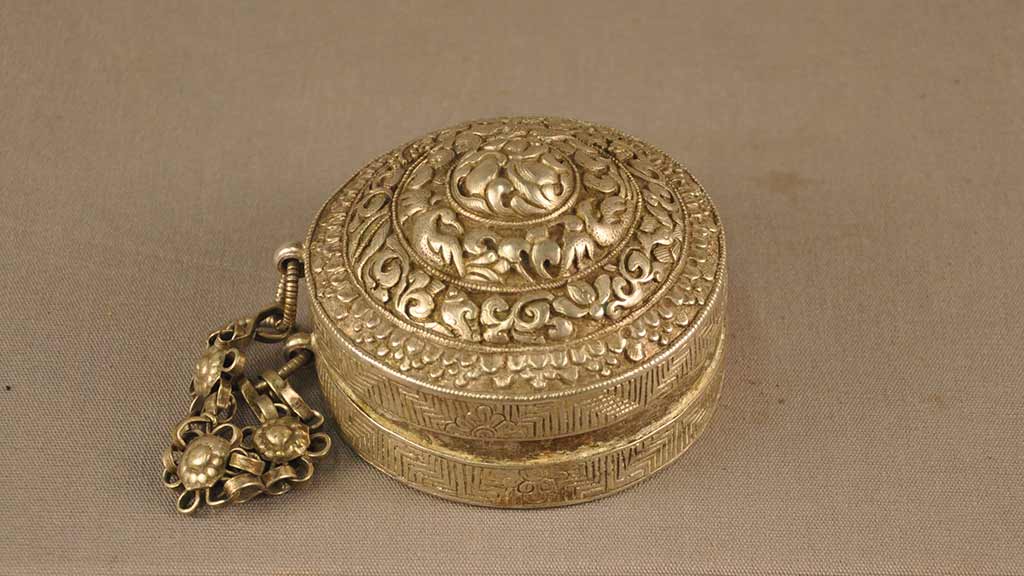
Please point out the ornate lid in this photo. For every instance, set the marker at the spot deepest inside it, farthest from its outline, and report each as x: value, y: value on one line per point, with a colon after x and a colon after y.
x: 514, y: 258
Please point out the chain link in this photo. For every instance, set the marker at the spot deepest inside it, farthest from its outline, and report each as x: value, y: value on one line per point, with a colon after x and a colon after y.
x: 215, y: 461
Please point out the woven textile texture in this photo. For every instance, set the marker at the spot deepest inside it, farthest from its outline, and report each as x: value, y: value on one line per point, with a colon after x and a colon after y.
x: 865, y: 157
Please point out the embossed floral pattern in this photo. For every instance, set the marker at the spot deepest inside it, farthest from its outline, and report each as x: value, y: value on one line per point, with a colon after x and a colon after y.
x: 203, y: 462
x: 281, y: 439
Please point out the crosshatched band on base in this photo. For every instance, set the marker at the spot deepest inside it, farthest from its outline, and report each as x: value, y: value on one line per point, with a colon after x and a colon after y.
x: 591, y: 471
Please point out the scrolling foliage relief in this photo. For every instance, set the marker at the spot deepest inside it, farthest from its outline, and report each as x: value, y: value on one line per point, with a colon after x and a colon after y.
x: 522, y: 235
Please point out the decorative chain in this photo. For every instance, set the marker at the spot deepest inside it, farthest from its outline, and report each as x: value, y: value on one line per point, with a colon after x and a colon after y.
x: 215, y: 461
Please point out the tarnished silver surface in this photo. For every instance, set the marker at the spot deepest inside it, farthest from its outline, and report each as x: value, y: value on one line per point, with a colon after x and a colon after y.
x: 510, y: 290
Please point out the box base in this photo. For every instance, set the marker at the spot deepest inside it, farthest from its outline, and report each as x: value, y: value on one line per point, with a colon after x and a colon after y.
x: 589, y: 471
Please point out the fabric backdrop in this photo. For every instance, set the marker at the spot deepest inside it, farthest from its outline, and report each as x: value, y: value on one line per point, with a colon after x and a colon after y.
x: 866, y: 159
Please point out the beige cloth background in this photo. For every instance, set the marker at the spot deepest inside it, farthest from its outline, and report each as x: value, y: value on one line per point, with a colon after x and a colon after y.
x: 866, y: 159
